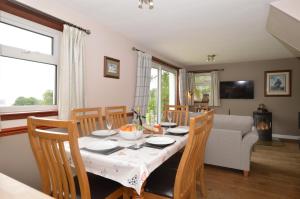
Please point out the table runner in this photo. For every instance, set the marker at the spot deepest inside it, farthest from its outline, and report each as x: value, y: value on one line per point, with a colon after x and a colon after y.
x: 128, y: 167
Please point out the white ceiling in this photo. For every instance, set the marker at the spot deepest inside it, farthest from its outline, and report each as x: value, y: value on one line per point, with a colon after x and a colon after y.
x: 186, y: 31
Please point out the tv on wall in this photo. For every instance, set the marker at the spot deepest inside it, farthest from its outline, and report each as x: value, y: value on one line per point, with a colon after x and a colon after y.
x: 237, y: 90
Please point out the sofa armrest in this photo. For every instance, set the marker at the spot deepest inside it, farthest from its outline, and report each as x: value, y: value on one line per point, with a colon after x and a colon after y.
x: 248, y: 141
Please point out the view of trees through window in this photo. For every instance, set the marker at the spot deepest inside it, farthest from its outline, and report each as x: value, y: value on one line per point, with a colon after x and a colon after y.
x: 30, y: 83
x: 163, y: 83
x: 47, y: 100
x: 165, y: 89
x: 202, y: 86
x: 153, y: 93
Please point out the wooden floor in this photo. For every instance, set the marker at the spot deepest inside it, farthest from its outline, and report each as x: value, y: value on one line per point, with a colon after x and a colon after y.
x: 275, y: 173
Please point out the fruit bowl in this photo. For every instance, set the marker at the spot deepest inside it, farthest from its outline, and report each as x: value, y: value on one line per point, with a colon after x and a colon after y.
x: 130, y: 132
x: 132, y: 135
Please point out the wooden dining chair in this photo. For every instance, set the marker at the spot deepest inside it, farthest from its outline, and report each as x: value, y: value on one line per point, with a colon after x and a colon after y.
x: 180, y: 183
x: 54, y: 166
x: 200, y: 175
x: 89, y: 119
x: 117, y: 116
x: 179, y: 114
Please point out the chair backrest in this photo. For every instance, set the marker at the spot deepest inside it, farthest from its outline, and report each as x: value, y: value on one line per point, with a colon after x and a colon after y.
x: 52, y: 160
x: 210, y: 119
x: 179, y: 114
x: 117, y: 115
x: 185, y: 182
x: 90, y: 119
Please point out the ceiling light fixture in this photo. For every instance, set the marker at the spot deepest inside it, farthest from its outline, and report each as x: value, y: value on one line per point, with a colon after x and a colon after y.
x: 211, y: 58
x: 146, y: 2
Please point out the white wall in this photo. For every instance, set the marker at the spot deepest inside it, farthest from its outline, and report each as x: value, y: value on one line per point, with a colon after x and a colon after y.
x: 16, y: 158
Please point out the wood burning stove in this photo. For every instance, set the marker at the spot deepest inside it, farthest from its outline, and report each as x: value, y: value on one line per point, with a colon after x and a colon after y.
x: 263, y: 124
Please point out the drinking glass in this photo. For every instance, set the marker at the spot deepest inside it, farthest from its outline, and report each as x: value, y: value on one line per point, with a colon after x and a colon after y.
x: 108, y: 125
x: 170, y: 116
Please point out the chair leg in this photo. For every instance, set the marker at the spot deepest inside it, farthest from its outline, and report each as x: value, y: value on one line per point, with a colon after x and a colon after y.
x: 126, y: 193
x: 203, y: 189
x: 116, y: 194
x: 153, y: 196
x: 246, y: 173
x: 193, y: 194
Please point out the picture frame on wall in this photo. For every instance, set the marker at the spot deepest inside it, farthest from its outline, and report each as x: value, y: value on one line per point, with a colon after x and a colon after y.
x: 111, y: 67
x: 278, y: 83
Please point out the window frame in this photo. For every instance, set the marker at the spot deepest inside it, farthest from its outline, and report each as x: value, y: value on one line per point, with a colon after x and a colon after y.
x: 16, y: 53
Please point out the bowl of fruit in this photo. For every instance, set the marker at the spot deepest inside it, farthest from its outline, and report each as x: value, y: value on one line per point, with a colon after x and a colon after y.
x: 130, y: 132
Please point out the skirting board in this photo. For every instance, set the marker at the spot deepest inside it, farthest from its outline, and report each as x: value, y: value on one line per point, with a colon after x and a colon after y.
x: 289, y: 137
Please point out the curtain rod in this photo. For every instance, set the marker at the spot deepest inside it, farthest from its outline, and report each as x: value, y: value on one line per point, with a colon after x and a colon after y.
x: 48, y: 15
x: 206, y: 71
x: 157, y: 59
x: 135, y: 49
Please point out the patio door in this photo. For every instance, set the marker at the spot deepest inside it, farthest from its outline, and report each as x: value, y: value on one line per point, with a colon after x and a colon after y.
x: 162, y: 90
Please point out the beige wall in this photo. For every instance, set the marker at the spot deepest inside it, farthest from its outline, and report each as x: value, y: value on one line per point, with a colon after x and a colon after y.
x: 16, y: 158
x: 17, y: 161
x: 285, y: 109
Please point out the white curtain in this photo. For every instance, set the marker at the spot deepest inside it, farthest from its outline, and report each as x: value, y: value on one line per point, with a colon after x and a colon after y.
x: 71, y: 71
x: 190, y: 88
x: 143, y: 78
x: 215, y: 89
x: 182, y: 87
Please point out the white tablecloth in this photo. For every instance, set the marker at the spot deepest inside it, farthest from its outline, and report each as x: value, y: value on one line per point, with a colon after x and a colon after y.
x: 128, y: 167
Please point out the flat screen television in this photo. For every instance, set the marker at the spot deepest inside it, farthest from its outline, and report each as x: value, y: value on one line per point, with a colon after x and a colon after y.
x: 237, y: 90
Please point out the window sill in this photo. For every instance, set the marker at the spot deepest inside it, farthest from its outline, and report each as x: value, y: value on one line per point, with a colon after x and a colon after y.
x: 16, y: 130
x: 24, y: 115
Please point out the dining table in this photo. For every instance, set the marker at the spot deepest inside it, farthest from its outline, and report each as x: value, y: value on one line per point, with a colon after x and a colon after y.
x: 129, y: 165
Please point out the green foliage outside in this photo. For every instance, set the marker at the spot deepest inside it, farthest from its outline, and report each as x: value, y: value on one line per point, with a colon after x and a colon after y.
x: 152, y: 103
x: 47, y: 100
x: 21, y: 101
x: 164, y: 89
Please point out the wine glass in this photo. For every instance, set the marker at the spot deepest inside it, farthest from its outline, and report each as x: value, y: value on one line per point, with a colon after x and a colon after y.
x: 169, y: 116
x: 108, y: 125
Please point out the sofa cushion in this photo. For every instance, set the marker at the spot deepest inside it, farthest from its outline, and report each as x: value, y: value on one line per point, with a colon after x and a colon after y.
x: 233, y: 122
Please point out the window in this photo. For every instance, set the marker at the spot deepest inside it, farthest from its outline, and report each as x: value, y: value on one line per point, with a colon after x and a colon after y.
x: 202, y: 86
x: 162, y: 89
x: 28, y: 64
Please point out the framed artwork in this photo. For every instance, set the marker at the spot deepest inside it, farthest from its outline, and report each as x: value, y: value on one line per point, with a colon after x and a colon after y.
x: 111, y: 67
x: 278, y: 83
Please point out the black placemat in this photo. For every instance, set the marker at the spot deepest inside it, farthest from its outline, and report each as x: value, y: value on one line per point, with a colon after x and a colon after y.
x: 157, y: 146
x: 176, y: 134
x: 169, y: 126
x: 104, y: 152
x: 97, y: 136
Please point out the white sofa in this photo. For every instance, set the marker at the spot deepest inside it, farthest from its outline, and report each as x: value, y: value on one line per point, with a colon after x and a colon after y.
x: 230, y: 142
